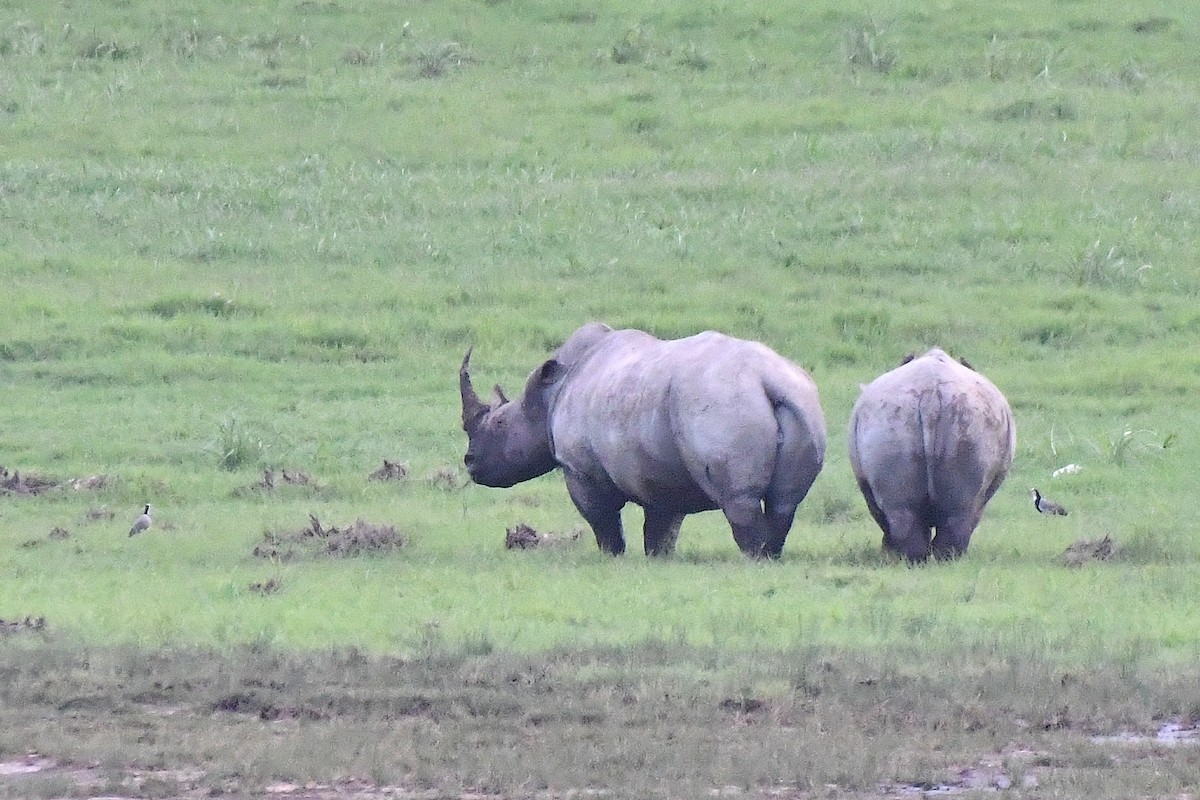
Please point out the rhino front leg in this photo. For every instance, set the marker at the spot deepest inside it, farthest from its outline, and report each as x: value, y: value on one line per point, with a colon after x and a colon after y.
x: 661, y: 530
x: 600, y: 505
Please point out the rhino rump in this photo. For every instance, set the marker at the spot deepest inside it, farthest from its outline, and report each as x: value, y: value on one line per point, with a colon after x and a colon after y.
x: 930, y: 443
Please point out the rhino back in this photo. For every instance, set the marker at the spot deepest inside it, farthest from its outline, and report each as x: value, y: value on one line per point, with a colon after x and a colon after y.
x: 678, y: 419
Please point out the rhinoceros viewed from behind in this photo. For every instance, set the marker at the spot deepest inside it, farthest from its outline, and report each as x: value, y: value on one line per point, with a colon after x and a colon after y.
x: 676, y: 427
x: 930, y: 443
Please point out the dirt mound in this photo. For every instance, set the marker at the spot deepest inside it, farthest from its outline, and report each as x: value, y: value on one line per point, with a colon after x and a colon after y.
x: 1085, y: 550
x: 269, y: 586
x: 89, y: 484
x: 99, y: 512
x: 359, y: 538
x: 390, y: 471
x: 273, y: 479
x: 447, y: 478
x: 525, y: 537
x: 28, y: 484
x: 29, y: 624
x: 32, y: 483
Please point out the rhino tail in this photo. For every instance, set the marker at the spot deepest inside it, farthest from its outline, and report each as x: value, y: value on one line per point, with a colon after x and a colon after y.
x: 799, y: 455
x: 928, y: 419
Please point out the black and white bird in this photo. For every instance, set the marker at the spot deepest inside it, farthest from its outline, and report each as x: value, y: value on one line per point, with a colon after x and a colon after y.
x: 142, y: 523
x: 1045, y: 505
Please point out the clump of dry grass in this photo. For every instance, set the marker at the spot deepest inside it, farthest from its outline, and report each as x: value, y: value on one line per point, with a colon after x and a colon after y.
x: 390, y: 471
x: 359, y: 538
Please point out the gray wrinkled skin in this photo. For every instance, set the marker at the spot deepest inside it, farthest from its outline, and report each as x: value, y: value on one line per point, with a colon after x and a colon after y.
x: 676, y: 427
x: 930, y: 443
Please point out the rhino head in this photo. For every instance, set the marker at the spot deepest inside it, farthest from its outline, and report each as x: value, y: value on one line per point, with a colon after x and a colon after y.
x: 508, y: 441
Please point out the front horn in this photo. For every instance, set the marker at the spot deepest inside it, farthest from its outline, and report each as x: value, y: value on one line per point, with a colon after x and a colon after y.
x: 472, y: 407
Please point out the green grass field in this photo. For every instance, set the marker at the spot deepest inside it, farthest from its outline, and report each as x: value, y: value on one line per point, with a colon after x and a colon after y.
x: 247, y: 238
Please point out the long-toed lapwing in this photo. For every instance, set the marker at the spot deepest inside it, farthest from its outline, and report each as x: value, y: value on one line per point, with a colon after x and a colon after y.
x: 142, y: 523
x: 1045, y: 505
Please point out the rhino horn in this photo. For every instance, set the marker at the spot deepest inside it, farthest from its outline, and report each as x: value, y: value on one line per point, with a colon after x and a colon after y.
x: 472, y: 407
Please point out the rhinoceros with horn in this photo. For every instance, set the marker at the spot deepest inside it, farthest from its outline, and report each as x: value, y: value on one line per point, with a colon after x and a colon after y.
x: 930, y: 443
x: 676, y: 427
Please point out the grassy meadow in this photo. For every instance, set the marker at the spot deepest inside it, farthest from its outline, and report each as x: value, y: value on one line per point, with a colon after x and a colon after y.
x: 246, y: 237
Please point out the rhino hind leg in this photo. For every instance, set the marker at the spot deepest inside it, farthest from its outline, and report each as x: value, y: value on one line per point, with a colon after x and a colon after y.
x: 873, y: 506
x: 954, y: 534
x: 751, y: 530
x: 780, y: 522
x: 907, y: 534
x: 661, y: 530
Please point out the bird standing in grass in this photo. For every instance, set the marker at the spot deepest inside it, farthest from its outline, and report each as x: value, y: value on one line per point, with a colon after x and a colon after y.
x: 142, y: 523
x: 1045, y: 505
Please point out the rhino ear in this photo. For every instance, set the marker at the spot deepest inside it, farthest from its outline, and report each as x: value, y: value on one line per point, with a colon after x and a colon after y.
x: 498, y: 397
x: 550, y: 372
x: 544, y: 376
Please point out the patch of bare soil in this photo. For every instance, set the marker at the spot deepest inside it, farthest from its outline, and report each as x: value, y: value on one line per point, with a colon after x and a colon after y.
x: 1087, y: 550
x: 390, y: 471
x: 525, y: 537
x: 359, y: 538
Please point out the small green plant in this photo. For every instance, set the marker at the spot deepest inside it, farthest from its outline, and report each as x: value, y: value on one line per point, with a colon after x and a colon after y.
x: 1132, y: 443
x: 22, y: 39
x: 695, y: 58
x: 438, y: 60
x: 866, y: 47
x: 236, y: 445
x: 862, y: 326
x: 1108, y: 265
x: 632, y: 48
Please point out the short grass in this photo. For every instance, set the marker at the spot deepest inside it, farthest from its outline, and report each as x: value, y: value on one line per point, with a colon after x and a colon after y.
x: 260, y: 238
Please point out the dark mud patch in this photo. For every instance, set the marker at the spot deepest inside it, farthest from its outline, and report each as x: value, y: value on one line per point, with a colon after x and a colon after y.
x: 526, y: 537
x: 390, y: 471
x: 1086, y: 551
x: 317, y: 539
